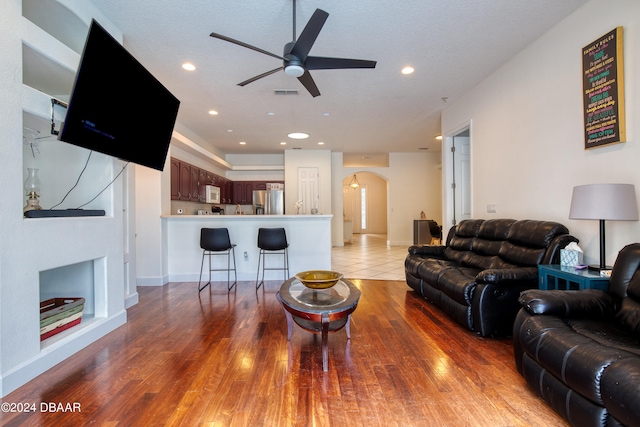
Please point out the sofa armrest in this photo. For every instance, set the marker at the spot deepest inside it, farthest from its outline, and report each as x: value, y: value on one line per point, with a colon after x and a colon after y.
x: 592, y: 303
x: 431, y: 251
x: 505, y: 276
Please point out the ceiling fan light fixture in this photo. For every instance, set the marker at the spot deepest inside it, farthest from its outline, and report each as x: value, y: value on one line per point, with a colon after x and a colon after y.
x: 294, y: 70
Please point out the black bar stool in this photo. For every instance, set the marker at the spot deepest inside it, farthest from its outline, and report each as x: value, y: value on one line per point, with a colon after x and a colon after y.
x: 272, y: 241
x: 215, y: 241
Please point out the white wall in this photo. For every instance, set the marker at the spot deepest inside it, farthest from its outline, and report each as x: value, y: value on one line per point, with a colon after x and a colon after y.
x: 414, y: 186
x: 294, y: 159
x: 148, y: 225
x: 256, y: 167
x: 30, y: 248
x: 376, y: 200
x: 527, y: 128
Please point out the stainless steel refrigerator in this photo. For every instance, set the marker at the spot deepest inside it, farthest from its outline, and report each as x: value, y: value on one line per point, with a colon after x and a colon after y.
x: 271, y: 200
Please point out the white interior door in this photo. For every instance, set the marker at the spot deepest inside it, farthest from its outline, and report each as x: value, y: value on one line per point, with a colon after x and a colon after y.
x: 308, y: 189
x: 462, y: 177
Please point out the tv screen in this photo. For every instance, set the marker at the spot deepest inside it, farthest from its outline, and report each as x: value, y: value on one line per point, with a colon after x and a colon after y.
x: 117, y: 107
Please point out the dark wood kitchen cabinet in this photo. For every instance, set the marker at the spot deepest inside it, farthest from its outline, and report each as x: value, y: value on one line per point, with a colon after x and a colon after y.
x: 226, y: 191
x: 175, y: 179
x: 243, y: 192
x: 188, y: 183
x: 184, y: 182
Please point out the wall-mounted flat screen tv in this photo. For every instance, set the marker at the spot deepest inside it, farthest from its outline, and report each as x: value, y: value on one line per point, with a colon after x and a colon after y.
x: 117, y: 107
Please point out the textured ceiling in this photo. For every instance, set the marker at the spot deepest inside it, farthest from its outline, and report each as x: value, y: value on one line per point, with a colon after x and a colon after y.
x: 452, y: 45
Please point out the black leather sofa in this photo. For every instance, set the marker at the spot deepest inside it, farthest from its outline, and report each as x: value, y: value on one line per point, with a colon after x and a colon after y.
x: 477, y: 276
x: 580, y: 350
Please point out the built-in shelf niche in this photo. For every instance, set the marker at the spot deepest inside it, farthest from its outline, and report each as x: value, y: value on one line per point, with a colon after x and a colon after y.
x: 84, y: 279
x: 46, y: 75
x: 58, y: 21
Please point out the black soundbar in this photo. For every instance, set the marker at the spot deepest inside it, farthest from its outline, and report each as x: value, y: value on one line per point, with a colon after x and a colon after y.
x: 57, y: 213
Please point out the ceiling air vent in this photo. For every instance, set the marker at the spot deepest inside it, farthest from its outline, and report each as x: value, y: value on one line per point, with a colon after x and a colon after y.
x: 285, y: 92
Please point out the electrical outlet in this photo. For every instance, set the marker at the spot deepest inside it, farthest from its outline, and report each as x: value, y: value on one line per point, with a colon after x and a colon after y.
x: 246, y: 256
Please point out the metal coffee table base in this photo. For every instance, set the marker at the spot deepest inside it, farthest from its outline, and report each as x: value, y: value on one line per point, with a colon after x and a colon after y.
x: 318, y: 318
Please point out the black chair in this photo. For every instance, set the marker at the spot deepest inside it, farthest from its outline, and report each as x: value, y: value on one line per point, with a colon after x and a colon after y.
x: 436, y: 232
x: 272, y: 241
x: 215, y: 241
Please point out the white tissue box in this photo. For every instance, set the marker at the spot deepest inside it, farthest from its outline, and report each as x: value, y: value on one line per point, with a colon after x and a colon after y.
x: 570, y: 258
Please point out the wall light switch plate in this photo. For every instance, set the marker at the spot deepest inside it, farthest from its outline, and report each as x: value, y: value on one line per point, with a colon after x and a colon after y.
x: 491, y: 208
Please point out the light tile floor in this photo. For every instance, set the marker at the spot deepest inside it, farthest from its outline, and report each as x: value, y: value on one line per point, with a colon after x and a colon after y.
x: 369, y: 257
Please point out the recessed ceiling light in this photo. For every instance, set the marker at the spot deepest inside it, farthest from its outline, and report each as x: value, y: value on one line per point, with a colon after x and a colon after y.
x: 407, y: 70
x: 298, y: 135
x: 326, y: 114
x: 320, y: 143
x: 188, y: 66
x: 229, y: 130
x: 243, y: 143
x: 213, y: 112
x: 270, y: 113
x: 439, y: 137
x: 283, y: 143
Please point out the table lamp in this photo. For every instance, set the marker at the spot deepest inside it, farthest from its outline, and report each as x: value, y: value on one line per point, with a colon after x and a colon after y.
x: 613, y: 202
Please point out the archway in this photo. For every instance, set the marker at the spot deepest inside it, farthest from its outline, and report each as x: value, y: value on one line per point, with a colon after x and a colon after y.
x: 365, y: 206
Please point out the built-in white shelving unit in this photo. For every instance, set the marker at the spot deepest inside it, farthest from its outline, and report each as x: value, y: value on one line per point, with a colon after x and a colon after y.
x: 55, y: 257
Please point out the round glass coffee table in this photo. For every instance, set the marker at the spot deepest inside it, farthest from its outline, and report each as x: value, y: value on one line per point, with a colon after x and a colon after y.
x: 319, y: 311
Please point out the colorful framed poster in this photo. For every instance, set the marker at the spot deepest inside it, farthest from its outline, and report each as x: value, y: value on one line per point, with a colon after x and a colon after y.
x: 603, y: 90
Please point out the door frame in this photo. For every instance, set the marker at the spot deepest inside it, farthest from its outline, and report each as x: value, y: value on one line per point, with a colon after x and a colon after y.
x: 448, y: 203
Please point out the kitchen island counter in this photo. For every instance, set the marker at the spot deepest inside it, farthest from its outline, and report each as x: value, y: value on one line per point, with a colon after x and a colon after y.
x: 309, y: 238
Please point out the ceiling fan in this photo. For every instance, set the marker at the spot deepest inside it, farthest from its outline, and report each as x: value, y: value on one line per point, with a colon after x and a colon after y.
x: 296, y: 61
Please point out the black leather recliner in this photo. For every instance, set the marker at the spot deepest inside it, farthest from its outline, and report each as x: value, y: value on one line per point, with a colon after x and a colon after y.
x: 580, y: 350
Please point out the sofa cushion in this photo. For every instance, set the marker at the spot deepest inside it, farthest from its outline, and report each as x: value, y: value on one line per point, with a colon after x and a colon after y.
x: 468, y: 228
x: 577, y: 359
x: 607, y: 334
x: 533, y: 233
x: 431, y: 269
x: 528, y: 240
x: 521, y: 255
x: 625, y: 277
x: 620, y: 390
x: 629, y: 316
x: 495, y: 230
x: 479, y: 262
x: 458, y: 284
x: 411, y: 264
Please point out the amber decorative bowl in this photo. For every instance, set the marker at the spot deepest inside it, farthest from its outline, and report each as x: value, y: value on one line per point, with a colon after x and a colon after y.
x: 319, y: 279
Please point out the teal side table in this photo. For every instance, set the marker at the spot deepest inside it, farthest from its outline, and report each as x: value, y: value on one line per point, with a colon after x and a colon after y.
x: 558, y: 277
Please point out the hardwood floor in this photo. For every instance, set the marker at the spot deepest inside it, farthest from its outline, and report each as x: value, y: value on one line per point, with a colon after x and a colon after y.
x: 223, y: 359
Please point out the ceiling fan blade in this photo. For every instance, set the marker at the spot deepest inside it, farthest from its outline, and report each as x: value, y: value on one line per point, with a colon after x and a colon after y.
x: 308, y: 36
x: 248, y: 46
x: 322, y: 63
x: 309, y: 84
x: 258, y: 77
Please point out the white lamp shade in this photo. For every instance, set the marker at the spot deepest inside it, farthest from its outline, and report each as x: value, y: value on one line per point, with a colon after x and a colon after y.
x: 613, y: 202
